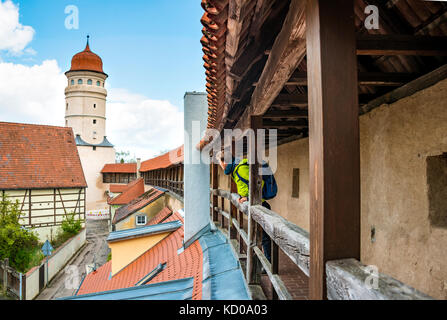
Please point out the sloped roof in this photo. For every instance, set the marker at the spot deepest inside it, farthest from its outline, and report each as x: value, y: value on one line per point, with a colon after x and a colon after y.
x: 137, y: 204
x: 160, y: 217
x: 144, y: 231
x: 210, y: 261
x: 120, y: 168
x: 170, y: 290
x: 166, y: 160
x: 178, y: 266
x: 38, y: 157
x: 118, y: 188
x: 133, y: 191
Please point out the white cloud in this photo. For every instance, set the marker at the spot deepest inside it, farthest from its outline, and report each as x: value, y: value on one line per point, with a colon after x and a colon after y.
x: 32, y: 94
x: 141, y: 125
x: 14, y: 37
x: 135, y: 123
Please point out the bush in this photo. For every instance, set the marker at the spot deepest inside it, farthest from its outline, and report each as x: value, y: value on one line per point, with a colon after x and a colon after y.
x: 16, y: 242
x: 70, y: 225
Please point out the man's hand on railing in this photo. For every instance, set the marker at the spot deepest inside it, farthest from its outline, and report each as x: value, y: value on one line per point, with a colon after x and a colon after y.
x: 243, y: 199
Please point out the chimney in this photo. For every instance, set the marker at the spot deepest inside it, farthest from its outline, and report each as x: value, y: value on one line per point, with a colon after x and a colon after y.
x: 138, y: 167
x: 196, y: 173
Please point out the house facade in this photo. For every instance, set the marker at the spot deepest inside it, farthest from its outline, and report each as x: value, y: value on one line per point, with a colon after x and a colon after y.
x: 41, y: 169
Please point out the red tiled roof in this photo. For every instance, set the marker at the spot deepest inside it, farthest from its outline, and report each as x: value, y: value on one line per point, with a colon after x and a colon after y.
x: 120, y: 168
x: 178, y: 266
x: 160, y: 217
x: 137, y: 204
x: 214, y: 23
x: 118, y: 188
x: 133, y: 191
x: 38, y: 157
x: 164, y: 161
x: 86, y: 60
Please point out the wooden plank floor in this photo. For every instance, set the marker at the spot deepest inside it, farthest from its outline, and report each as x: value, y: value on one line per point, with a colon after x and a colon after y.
x: 295, y: 280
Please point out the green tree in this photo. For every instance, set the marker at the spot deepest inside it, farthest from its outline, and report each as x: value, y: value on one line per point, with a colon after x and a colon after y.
x: 16, y: 242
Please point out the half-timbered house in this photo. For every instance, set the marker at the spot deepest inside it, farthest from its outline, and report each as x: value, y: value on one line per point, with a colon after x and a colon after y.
x: 40, y: 168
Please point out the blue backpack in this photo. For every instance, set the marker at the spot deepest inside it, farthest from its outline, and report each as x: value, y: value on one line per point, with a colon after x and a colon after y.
x: 270, y: 188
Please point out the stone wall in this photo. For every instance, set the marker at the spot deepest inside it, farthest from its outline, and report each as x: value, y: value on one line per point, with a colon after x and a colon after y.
x: 397, y: 233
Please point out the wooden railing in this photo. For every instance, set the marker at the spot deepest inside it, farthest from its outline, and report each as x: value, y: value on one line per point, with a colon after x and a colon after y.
x: 290, y: 238
x: 171, y: 185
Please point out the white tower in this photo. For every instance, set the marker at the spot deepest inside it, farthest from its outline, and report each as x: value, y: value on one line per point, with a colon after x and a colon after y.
x: 85, y: 112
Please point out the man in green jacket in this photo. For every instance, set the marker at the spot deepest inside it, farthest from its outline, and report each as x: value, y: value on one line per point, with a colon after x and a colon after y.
x: 239, y: 171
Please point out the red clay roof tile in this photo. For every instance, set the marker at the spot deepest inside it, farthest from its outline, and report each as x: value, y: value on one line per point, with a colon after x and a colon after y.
x: 118, y: 188
x: 38, y: 157
x: 160, y: 217
x: 164, y: 161
x: 178, y: 266
x: 137, y: 204
x: 133, y: 191
x: 120, y: 168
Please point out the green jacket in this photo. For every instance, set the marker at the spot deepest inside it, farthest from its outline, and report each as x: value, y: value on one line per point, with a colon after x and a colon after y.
x: 244, y: 171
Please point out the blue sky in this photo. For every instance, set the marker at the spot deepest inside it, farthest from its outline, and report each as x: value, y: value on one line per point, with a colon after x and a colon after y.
x: 151, y: 51
x: 151, y: 47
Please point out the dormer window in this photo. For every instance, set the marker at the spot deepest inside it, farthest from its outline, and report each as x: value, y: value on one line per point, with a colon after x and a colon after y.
x: 141, y: 220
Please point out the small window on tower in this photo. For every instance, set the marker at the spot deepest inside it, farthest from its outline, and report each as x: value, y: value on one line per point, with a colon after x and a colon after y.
x: 80, y: 81
x: 94, y: 148
x: 94, y: 106
x: 94, y: 121
x: 89, y: 82
x: 67, y: 106
x: 98, y: 83
x: 72, y: 82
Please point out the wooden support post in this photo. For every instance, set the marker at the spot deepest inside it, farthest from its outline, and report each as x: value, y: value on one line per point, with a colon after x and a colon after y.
x: 215, y: 185
x: 275, y: 265
x: 29, y: 207
x: 255, y: 196
x: 333, y: 137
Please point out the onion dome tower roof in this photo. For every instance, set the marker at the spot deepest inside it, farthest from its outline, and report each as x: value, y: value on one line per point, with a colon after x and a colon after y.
x: 86, y: 61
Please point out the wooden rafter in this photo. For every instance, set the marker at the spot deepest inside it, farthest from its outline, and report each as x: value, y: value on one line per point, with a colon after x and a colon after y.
x: 381, y: 45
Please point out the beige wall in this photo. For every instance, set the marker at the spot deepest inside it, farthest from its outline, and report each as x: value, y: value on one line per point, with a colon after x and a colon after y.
x: 395, y: 141
x: 149, y: 211
x: 43, y: 200
x: 85, y: 103
x: 92, y: 164
x: 126, y: 251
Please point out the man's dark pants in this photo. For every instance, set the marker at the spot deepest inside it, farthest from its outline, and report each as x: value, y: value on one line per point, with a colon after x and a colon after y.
x: 266, y: 241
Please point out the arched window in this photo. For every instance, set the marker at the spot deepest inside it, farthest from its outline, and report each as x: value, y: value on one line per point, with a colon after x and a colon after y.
x: 94, y: 121
x: 72, y: 82
x: 89, y: 82
x: 80, y: 81
x: 67, y: 107
x: 94, y: 106
x: 98, y: 83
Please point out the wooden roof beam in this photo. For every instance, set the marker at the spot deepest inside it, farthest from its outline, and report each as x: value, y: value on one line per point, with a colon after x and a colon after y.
x: 390, y: 45
x: 299, y: 78
x: 287, y: 52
